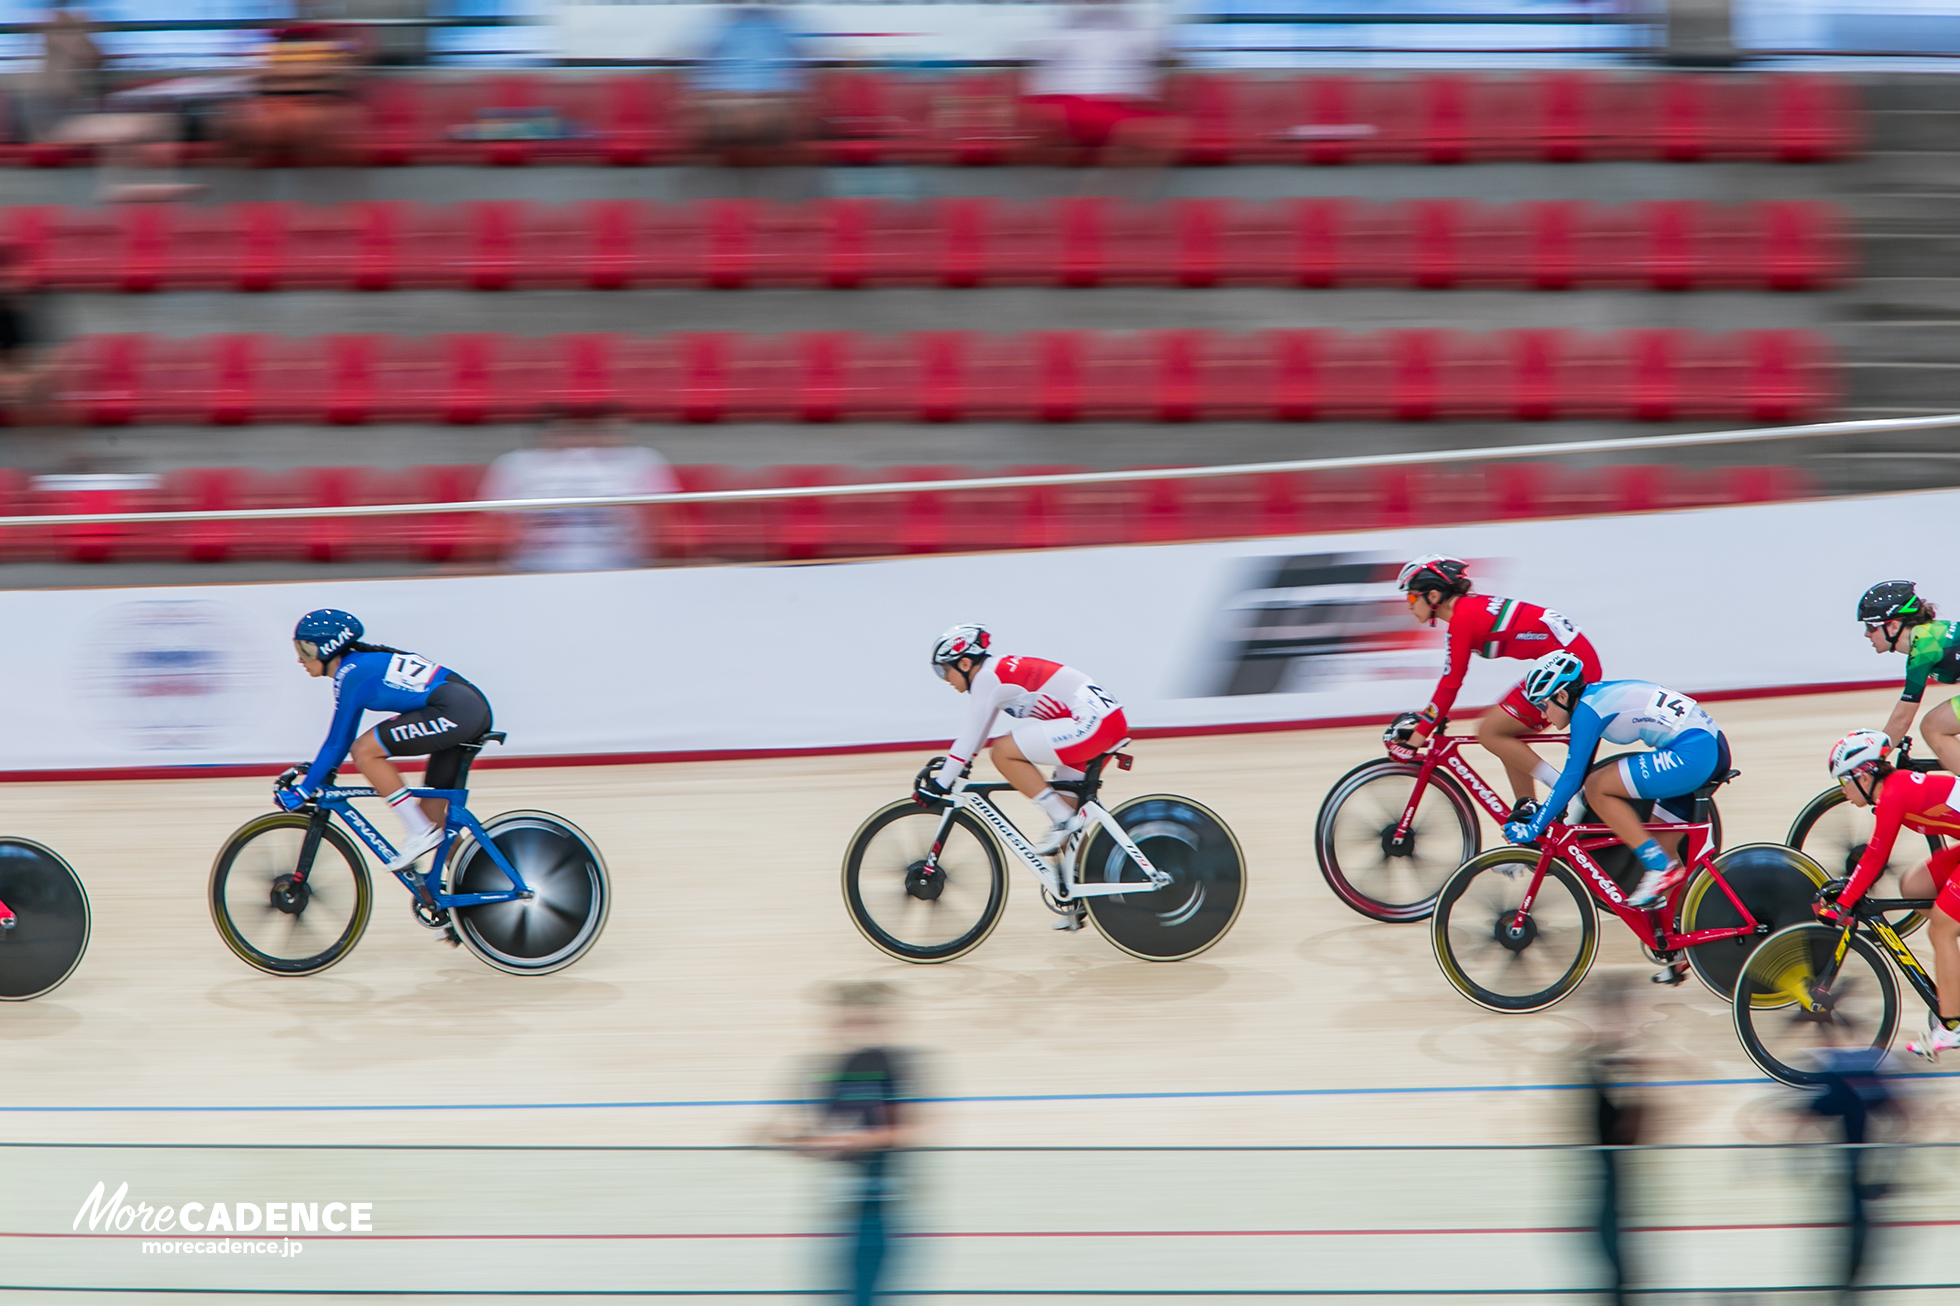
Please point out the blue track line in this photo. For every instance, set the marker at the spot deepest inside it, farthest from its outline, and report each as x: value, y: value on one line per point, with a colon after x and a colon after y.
x: 1223, y: 1094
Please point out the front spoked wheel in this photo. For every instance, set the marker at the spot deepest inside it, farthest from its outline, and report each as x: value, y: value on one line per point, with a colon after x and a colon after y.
x: 571, y: 893
x: 1777, y: 885
x: 275, y: 924
x: 1799, y: 1009
x: 909, y: 913
x: 50, y: 926
x: 1502, y: 960
x: 1368, y: 868
x: 1834, y: 833
x: 1187, y: 842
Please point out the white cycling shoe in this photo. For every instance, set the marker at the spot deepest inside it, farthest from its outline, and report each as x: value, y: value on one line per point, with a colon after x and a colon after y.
x: 1654, y: 886
x: 1058, y: 835
x: 1937, y: 1039
x: 412, y: 851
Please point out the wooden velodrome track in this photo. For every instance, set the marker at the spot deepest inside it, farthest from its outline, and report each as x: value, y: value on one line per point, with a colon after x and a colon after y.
x: 1306, y: 1025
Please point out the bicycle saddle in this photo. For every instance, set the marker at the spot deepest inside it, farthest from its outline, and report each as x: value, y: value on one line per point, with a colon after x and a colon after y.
x: 1708, y: 790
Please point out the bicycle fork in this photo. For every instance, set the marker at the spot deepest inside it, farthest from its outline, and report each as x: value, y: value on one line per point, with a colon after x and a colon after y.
x: 7, y: 921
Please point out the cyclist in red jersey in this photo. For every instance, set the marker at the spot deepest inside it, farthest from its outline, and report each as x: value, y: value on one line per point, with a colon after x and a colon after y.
x: 1484, y: 625
x: 1921, y: 802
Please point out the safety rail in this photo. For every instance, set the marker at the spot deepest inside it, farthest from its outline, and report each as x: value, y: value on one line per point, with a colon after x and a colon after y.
x: 309, y: 515
x: 1177, y: 1222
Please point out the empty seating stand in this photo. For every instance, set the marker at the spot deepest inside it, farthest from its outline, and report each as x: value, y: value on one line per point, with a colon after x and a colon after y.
x: 847, y: 525
x: 849, y: 243
x: 974, y: 118
x: 1289, y: 375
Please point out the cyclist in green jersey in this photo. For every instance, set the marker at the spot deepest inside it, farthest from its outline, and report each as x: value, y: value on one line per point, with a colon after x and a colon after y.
x: 1898, y: 620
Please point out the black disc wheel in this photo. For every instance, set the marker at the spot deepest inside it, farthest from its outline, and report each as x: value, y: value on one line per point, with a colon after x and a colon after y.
x: 1184, y: 840
x: 571, y: 894
x: 47, y: 931
x: 1799, y: 1009
x: 1834, y: 832
x: 918, y: 913
x: 1368, y: 867
x: 1505, y: 960
x: 1777, y: 885
x: 268, y: 920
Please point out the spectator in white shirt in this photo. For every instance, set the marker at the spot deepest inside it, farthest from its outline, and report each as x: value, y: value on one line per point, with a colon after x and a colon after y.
x: 580, y: 455
x: 1092, y: 90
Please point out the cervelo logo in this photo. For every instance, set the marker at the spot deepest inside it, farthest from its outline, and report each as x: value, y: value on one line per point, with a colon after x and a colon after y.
x: 1601, y: 880
x: 115, y: 1216
x: 1471, y: 778
x: 420, y: 729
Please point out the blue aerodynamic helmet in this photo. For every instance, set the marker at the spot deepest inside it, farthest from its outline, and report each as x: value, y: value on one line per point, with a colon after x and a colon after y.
x: 324, y: 632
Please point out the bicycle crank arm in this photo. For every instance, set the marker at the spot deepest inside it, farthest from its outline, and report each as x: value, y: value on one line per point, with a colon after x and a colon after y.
x: 7, y: 921
x: 1111, y: 890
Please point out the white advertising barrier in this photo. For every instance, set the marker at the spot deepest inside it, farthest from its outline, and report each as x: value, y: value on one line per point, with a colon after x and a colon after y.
x: 964, y: 32
x: 738, y: 659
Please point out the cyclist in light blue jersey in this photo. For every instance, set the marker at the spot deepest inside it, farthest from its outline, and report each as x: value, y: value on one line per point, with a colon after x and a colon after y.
x: 1689, y: 750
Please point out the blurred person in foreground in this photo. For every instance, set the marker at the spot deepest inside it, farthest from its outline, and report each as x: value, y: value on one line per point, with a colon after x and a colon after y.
x: 581, y: 454
x: 1091, y: 92
x: 1853, y: 1095
x: 1614, y: 1117
x: 862, y: 1120
x: 751, y: 86
x: 23, y: 364
x: 302, y: 110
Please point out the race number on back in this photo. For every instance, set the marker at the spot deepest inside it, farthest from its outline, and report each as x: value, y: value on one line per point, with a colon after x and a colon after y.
x: 1560, y: 625
x: 409, y: 671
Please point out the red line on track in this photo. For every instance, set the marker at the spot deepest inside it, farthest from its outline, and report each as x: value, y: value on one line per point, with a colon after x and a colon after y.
x: 259, y: 1236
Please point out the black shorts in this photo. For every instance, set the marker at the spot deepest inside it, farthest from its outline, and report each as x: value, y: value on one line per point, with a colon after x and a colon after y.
x: 456, y: 713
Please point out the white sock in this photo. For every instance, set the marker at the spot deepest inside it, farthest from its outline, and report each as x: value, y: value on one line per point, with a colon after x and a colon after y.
x: 1055, y: 805
x: 410, y: 811
x: 1545, y: 774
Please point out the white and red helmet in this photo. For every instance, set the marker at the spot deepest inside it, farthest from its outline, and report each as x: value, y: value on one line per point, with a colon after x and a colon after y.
x: 1432, y: 571
x: 1858, y: 752
x: 967, y: 640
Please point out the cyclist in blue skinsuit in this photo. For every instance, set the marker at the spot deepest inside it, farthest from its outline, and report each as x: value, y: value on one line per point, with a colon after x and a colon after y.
x: 437, y: 712
x: 1689, y: 751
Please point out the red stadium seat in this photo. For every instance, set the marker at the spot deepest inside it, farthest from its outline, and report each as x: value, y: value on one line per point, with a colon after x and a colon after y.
x: 1801, y: 245
x: 975, y: 119
x: 1812, y: 118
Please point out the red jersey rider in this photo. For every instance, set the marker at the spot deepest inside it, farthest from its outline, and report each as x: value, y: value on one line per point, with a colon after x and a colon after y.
x: 1484, y: 625
x: 1061, y: 719
x: 1910, y: 800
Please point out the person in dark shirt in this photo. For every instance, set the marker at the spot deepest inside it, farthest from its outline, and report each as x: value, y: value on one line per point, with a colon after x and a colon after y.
x: 863, y: 1121
x: 19, y: 359
x: 1852, y: 1091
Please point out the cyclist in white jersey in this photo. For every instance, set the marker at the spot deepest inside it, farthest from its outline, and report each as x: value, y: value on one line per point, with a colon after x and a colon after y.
x: 1062, y: 720
x: 1689, y: 750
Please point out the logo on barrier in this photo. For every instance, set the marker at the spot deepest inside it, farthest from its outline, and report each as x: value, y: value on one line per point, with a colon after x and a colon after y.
x: 168, y: 673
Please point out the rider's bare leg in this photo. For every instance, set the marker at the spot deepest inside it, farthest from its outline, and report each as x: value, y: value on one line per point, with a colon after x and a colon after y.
x: 1500, y: 732
x: 1943, y: 932
x: 1940, y: 728
x: 1607, y: 792
x: 1017, y: 770
x: 372, y: 761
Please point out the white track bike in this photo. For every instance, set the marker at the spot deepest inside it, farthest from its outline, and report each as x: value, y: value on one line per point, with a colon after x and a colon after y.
x: 1160, y: 877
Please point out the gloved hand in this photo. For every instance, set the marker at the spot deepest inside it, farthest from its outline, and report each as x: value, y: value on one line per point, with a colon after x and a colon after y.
x: 289, y: 799
x: 1521, y: 831
x: 1402, y: 729
x: 1831, y: 912
x: 927, y: 792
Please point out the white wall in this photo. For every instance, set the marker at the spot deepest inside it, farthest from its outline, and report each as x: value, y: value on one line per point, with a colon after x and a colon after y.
x: 813, y: 657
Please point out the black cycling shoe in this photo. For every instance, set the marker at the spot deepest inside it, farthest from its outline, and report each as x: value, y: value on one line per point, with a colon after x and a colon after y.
x: 1524, y: 809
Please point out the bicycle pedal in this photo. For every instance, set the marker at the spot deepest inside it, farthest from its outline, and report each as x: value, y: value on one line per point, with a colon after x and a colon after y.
x: 1074, y: 920
x: 1671, y: 975
x: 450, y: 936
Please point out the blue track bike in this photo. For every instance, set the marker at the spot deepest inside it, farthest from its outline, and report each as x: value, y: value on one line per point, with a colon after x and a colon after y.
x: 527, y: 892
